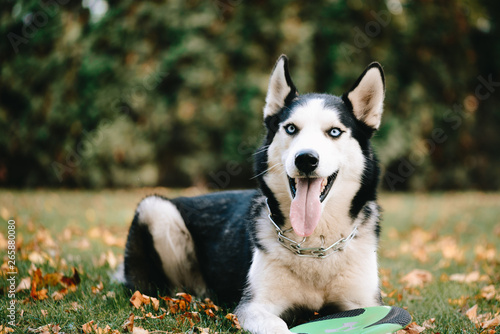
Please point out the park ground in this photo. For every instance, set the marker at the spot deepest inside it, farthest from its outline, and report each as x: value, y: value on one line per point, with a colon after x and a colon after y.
x: 439, y: 259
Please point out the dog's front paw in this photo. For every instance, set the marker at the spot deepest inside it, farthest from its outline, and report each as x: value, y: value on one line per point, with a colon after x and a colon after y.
x: 258, y: 319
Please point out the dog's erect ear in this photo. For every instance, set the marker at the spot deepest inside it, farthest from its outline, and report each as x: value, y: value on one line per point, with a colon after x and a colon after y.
x: 281, y: 89
x: 367, y: 96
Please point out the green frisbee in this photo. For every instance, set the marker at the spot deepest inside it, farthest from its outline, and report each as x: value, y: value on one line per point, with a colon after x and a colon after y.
x: 369, y: 320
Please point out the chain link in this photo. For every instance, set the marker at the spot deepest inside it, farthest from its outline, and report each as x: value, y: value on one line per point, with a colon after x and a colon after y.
x: 314, y: 252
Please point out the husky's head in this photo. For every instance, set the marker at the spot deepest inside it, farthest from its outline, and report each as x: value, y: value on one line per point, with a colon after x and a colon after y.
x: 317, y: 150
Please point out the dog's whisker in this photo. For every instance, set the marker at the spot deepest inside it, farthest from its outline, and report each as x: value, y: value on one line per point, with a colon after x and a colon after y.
x: 267, y: 170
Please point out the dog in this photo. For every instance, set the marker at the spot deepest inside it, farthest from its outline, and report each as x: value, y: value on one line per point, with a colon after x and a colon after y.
x: 305, y: 240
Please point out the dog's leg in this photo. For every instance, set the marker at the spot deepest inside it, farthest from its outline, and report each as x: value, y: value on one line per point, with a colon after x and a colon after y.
x: 265, y: 298
x: 170, y: 249
x: 261, y: 318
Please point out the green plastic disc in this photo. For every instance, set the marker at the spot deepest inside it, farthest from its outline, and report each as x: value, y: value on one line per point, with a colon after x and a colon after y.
x: 369, y: 320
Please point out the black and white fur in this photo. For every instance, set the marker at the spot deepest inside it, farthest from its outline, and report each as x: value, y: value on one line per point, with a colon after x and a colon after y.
x: 224, y: 243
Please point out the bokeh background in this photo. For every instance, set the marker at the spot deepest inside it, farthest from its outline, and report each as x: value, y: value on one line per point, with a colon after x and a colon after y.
x: 100, y: 94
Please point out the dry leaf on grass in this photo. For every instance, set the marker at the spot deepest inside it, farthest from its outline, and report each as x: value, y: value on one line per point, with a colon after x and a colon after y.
x: 97, y: 289
x: 5, y: 330
x: 139, y: 330
x: 429, y: 323
x: 234, y: 320
x: 412, y: 328
x: 485, y: 320
x: 489, y: 292
x: 39, y: 281
x: 128, y: 325
x: 45, y: 329
x: 460, y: 302
x: 138, y: 299
x: 416, y: 278
x: 191, y: 317
x: 179, y: 305
x: 471, y: 277
x: 91, y: 328
x: 472, y: 313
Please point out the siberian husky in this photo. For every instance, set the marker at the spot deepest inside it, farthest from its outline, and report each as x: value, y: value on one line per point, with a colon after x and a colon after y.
x: 305, y: 240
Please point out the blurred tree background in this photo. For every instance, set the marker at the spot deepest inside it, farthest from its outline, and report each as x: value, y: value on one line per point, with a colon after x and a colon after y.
x: 99, y: 93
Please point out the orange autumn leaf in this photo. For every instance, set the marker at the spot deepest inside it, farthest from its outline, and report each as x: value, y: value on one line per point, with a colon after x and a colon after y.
x: 52, y: 279
x: 24, y: 284
x: 97, y: 289
x: 71, y: 282
x: 416, y: 278
x: 491, y: 323
x: 128, y: 325
x: 138, y: 299
x: 412, y: 328
x: 191, y: 317
x: 186, y: 296
x: 234, y: 320
x: 472, y: 314
x: 178, y: 305
x: 37, y: 294
x: 4, y: 330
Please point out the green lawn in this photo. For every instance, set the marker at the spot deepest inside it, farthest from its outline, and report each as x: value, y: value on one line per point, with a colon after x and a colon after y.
x: 443, y: 234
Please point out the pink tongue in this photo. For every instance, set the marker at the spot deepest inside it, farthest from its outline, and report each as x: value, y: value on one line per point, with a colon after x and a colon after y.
x: 305, y: 210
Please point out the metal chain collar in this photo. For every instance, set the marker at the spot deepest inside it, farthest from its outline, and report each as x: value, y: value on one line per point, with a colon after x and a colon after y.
x: 314, y: 252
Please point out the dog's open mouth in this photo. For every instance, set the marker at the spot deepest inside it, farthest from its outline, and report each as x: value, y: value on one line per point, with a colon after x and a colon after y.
x: 308, y: 194
x: 326, y: 185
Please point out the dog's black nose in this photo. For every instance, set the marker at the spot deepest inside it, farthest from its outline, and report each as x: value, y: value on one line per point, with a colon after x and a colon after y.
x: 307, y: 161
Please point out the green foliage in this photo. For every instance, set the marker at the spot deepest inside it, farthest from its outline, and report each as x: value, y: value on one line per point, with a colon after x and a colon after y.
x: 171, y: 92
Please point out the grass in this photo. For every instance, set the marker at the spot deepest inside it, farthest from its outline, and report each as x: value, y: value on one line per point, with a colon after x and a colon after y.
x: 443, y: 234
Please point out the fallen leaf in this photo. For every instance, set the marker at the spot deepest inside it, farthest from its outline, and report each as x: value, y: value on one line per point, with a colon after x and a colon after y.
x: 450, y: 249
x: 97, y: 289
x: 57, y: 295
x: 36, y: 258
x: 412, y: 328
x: 472, y: 314
x: 45, y: 329
x: 38, y: 294
x: 471, y: 277
x: 139, y: 330
x: 155, y: 303
x: 191, y: 317
x: 88, y: 327
x: 4, y: 213
x: 429, y: 323
x: 186, y: 296
x: 4, y: 330
x: 52, y: 279
x: 491, y: 323
x: 75, y: 306
x: 138, y: 299
x: 24, y: 284
x: 70, y: 282
x: 44, y: 312
x: 128, y: 325
x: 416, y: 278
x: 487, y: 252
x: 488, y: 292
x: 460, y: 302
x: 234, y: 320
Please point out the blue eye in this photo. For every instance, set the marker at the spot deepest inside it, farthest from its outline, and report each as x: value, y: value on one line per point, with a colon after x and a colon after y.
x: 335, y: 132
x: 290, y: 129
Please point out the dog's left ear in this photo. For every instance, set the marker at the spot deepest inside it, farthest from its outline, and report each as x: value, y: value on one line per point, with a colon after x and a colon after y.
x: 367, y: 96
x: 281, y: 90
